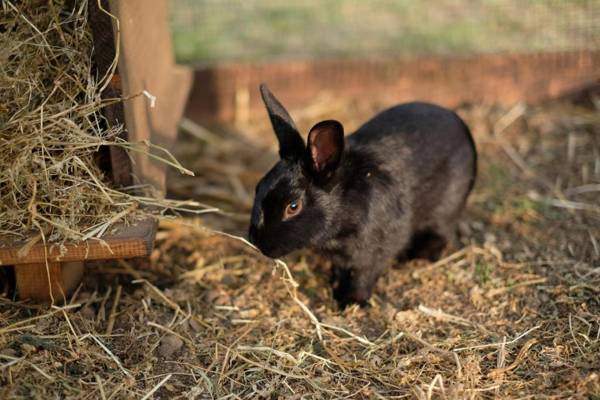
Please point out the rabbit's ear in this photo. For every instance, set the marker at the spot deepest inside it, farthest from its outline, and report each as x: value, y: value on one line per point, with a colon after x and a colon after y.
x: 325, y: 148
x: 291, y: 145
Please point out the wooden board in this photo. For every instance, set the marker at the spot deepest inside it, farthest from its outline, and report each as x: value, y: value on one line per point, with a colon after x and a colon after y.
x: 133, y: 241
x: 147, y: 63
x: 447, y: 80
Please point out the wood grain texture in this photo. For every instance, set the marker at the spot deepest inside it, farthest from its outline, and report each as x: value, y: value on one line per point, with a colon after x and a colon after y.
x: 127, y: 242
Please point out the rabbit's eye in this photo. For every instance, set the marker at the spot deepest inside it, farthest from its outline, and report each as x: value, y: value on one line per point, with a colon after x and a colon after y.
x: 293, y: 208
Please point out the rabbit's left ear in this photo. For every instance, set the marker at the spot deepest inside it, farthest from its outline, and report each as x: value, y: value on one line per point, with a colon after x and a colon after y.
x: 325, y: 148
x: 291, y: 145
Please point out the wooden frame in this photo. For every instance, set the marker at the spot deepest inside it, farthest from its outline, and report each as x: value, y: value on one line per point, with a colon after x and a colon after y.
x: 446, y: 80
x: 51, y: 272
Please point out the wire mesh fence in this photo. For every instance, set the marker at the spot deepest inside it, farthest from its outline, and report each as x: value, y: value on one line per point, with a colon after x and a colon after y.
x: 209, y: 31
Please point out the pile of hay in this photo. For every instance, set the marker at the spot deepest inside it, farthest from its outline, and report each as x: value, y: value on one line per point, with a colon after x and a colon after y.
x: 51, y: 127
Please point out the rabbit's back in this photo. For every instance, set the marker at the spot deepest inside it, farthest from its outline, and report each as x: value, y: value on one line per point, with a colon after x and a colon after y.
x: 426, y: 130
x: 429, y: 154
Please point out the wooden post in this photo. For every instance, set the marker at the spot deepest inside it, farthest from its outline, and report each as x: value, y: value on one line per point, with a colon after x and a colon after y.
x: 42, y: 282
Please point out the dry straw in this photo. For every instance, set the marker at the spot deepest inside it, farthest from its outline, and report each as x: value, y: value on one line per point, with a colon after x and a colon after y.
x: 52, y: 131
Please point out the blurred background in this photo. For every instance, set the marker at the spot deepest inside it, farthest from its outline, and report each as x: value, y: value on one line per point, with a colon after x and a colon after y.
x: 447, y: 52
x: 211, y: 31
x: 498, y: 62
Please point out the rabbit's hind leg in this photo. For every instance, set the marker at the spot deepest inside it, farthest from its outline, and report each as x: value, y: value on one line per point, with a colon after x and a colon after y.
x: 353, y: 285
x: 426, y: 244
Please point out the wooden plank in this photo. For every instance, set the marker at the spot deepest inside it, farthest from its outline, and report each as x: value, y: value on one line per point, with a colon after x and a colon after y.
x: 146, y: 63
x: 133, y: 241
x: 447, y: 80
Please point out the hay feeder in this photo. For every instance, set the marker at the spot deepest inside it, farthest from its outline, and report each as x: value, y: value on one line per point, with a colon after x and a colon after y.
x: 145, y: 64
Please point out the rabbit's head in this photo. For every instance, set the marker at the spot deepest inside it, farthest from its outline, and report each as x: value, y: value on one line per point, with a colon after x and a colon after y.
x: 294, y: 202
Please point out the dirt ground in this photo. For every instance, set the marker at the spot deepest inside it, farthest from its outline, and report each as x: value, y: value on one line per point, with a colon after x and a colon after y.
x: 512, y: 311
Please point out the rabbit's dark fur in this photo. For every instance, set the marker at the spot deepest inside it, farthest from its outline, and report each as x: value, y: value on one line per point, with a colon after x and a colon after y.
x: 394, y: 188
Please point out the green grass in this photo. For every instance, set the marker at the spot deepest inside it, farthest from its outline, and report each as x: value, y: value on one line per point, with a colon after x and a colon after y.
x: 207, y: 31
x: 482, y: 273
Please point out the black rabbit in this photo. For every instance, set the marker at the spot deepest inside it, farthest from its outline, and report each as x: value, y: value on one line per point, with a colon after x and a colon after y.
x: 394, y: 188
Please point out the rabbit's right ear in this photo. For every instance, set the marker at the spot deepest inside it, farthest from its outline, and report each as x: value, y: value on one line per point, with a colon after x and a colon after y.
x: 291, y: 145
x: 325, y: 148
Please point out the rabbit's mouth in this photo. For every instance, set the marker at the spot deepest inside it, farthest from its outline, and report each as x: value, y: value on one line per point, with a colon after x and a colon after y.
x: 274, y: 253
x: 271, y: 251
x: 267, y: 247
